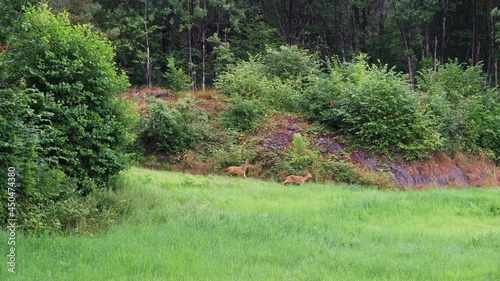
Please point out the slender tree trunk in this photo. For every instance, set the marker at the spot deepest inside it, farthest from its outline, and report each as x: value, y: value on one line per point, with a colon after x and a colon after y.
x: 204, y: 49
x: 204, y: 57
x: 435, y: 52
x: 491, y: 39
x: 290, y: 40
x: 192, y: 73
x: 474, y: 32
x: 427, y: 45
x: 410, y: 69
x: 149, y: 81
x: 408, y: 49
x: 444, y: 9
x: 191, y: 70
x: 218, y: 20
x: 496, y: 72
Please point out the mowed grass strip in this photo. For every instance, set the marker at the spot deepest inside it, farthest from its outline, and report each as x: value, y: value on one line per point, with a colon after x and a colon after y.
x: 185, y: 227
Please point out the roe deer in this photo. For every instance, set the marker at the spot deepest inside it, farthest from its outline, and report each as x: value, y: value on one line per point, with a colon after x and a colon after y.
x: 297, y: 179
x: 239, y: 170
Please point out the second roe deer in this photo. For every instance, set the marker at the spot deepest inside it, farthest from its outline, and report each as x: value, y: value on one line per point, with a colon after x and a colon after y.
x: 297, y: 179
x: 239, y: 170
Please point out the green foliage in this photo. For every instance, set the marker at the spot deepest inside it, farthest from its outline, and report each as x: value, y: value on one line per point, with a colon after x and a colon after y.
x: 258, y: 79
x: 454, y: 80
x: 73, y: 67
x: 54, y: 206
x: 487, y: 122
x: 20, y: 137
x: 323, y: 92
x: 62, y: 127
x: 170, y: 130
x: 339, y: 171
x: 232, y: 155
x: 290, y: 63
x: 255, y: 34
x: 380, y: 111
x: 244, y: 79
x: 10, y: 14
x: 456, y: 95
x: 176, y: 79
x: 223, y: 55
x: 300, y: 157
x: 279, y: 95
x: 242, y: 114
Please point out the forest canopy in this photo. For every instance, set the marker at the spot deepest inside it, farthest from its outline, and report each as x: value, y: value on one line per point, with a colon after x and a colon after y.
x: 203, y: 36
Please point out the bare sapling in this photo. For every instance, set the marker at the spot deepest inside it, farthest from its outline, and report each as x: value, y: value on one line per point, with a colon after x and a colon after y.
x: 297, y: 179
x: 239, y: 170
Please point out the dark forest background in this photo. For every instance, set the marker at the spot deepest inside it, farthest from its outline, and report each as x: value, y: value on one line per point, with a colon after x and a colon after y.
x: 202, y: 36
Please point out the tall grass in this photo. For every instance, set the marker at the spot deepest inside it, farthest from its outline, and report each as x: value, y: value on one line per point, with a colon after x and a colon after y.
x: 185, y: 227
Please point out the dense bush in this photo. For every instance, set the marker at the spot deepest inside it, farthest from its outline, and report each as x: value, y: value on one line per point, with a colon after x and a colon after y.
x: 20, y: 135
x: 54, y: 206
x: 276, y: 78
x: 332, y: 169
x: 62, y: 127
x: 282, y: 96
x: 72, y: 67
x: 381, y: 112
x: 176, y: 79
x: 170, y: 130
x: 456, y: 95
x: 245, y: 79
x: 300, y: 157
x: 290, y: 63
x: 322, y: 93
x: 242, y: 114
x: 486, y: 117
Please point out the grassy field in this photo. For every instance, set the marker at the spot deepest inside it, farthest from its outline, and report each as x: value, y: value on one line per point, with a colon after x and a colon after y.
x: 185, y: 227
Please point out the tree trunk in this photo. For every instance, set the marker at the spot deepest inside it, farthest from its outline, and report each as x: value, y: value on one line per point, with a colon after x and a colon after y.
x: 444, y: 9
x: 476, y: 44
x: 491, y: 38
x: 435, y: 52
x: 203, y: 58
x: 191, y: 71
x: 495, y: 65
x: 149, y: 82
x: 408, y: 49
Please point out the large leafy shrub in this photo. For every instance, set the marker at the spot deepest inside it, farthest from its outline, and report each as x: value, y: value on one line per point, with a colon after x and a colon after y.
x: 176, y: 79
x: 62, y: 128
x: 242, y: 114
x: 323, y: 92
x: 170, y: 130
x: 72, y: 67
x: 275, y: 79
x: 484, y: 121
x: 290, y: 63
x: 454, y: 93
x: 245, y: 79
x: 300, y: 157
x: 380, y: 111
x: 53, y: 205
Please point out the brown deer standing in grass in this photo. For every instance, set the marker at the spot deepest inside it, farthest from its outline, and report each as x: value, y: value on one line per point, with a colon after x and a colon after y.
x: 239, y: 170
x: 297, y: 179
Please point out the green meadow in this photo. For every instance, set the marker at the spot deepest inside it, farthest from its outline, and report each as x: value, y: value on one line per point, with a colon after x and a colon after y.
x: 185, y: 227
